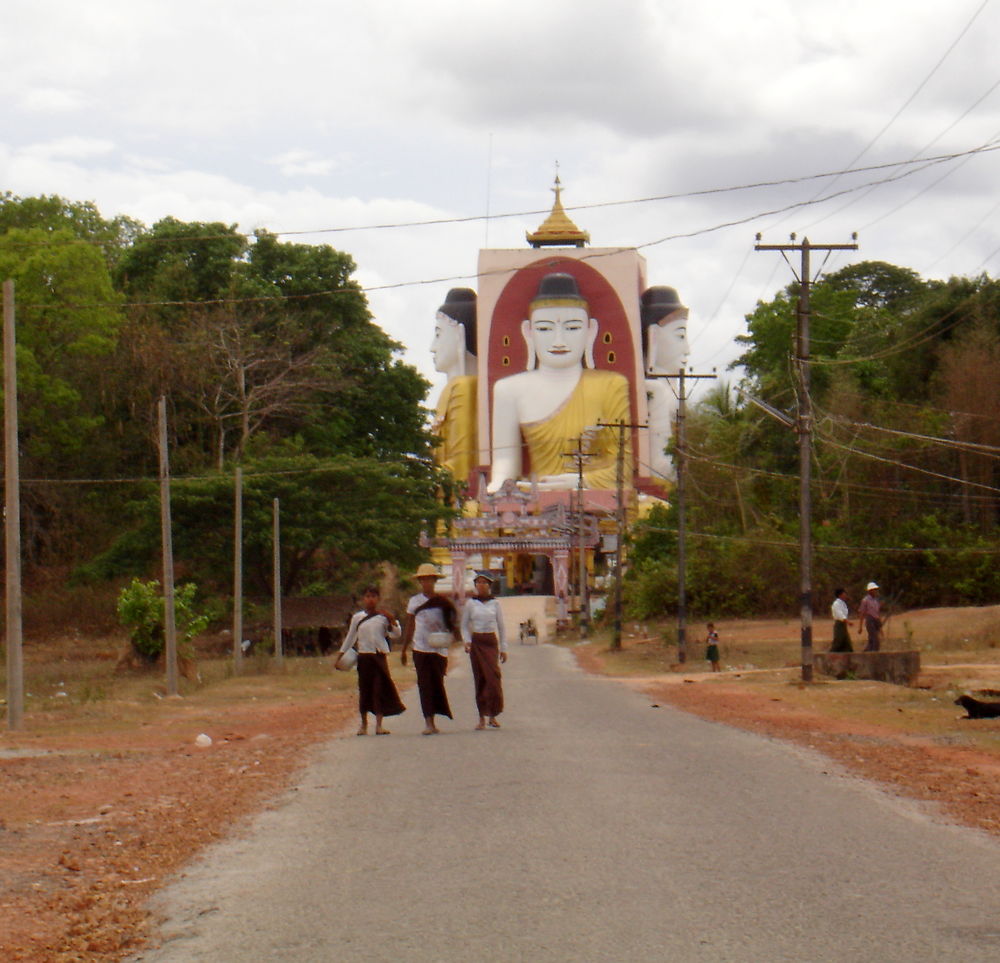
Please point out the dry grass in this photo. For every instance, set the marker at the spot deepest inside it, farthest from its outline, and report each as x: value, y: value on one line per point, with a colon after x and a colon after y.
x: 75, y: 684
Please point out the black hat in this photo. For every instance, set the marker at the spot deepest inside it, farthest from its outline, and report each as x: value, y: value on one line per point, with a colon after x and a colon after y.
x: 657, y: 302
x: 556, y: 289
x: 460, y: 305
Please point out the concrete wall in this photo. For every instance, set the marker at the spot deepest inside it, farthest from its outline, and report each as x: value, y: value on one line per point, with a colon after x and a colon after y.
x: 900, y: 668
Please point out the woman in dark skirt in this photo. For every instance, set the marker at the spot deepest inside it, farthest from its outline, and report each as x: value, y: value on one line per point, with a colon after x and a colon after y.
x: 431, y: 624
x: 370, y: 630
x: 482, y: 630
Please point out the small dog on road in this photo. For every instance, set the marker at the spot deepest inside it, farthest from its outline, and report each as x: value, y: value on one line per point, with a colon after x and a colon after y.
x: 977, y: 709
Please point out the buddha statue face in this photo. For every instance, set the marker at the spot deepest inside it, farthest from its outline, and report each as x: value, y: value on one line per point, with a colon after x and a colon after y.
x: 448, y: 346
x: 667, y: 343
x: 559, y: 336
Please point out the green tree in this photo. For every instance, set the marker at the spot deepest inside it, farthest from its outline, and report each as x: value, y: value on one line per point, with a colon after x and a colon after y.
x: 339, y: 519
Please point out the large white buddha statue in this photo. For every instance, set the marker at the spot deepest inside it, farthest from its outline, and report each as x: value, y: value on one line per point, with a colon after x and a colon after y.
x: 454, y: 352
x: 665, y: 348
x: 544, y: 410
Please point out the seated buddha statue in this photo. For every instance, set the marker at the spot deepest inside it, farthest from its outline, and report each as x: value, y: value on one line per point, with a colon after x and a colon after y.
x: 665, y: 350
x: 454, y: 352
x: 542, y: 411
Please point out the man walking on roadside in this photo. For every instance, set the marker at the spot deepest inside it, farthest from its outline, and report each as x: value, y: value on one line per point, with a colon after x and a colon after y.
x: 870, y: 617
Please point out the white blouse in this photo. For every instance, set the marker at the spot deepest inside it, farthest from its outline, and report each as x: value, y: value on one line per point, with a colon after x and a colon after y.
x: 430, y: 620
x: 370, y: 634
x: 478, y: 616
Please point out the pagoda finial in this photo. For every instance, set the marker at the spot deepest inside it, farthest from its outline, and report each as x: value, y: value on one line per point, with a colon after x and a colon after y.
x: 557, y: 230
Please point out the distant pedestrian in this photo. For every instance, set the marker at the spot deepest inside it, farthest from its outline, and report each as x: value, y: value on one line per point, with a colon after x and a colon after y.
x: 712, y: 647
x: 371, y: 628
x: 870, y: 617
x: 841, y: 622
x: 482, y: 630
x: 431, y: 626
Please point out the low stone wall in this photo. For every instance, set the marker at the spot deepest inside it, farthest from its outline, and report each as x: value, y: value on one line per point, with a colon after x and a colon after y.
x: 901, y: 668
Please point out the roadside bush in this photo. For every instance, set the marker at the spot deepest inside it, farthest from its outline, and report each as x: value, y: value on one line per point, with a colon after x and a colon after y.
x: 142, y: 610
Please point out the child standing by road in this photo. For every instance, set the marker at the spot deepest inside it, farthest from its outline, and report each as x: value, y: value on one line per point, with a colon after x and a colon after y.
x: 712, y: 647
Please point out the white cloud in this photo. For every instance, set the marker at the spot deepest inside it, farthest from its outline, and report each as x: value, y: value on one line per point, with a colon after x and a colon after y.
x: 71, y: 148
x: 309, y: 116
x: 51, y: 100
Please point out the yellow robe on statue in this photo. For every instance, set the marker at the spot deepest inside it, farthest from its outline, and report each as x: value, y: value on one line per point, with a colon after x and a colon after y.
x: 599, y: 396
x: 455, y: 424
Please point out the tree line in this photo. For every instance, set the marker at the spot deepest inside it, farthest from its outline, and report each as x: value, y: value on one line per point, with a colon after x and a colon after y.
x: 905, y: 390
x: 269, y: 359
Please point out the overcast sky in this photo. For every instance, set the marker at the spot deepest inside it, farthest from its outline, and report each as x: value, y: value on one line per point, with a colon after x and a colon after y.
x: 315, y: 115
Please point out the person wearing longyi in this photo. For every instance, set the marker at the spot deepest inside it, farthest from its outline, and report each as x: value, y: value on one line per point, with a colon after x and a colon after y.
x: 430, y: 618
x: 371, y: 628
x: 486, y: 643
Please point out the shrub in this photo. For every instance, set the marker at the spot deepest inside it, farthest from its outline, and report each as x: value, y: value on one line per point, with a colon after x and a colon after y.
x: 141, y: 609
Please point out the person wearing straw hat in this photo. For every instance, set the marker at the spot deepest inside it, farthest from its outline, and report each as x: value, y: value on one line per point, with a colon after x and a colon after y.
x: 870, y: 617
x: 431, y: 627
x: 371, y: 628
x: 482, y: 631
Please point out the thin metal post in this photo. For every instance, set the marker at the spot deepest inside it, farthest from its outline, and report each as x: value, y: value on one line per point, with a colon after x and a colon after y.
x: 169, y: 616
x: 12, y: 518
x: 238, y: 572
x: 279, y: 650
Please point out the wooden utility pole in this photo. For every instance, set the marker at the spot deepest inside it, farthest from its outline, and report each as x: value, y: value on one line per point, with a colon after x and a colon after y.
x: 279, y: 650
x: 238, y: 572
x: 804, y: 429
x: 621, y: 427
x: 680, y: 465
x: 169, y: 616
x: 12, y: 517
x: 579, y: 455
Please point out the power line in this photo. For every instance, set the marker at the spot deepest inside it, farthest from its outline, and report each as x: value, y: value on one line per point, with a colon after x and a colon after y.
x: 923, y: 83
x: 472, y: 218
x: 354, y: 288
x: 823, y: 546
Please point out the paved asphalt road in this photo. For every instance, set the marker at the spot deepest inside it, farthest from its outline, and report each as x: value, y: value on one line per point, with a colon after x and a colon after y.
x: 591, y: 827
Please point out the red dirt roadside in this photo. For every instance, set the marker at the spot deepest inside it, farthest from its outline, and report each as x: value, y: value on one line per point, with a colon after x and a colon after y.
x: 95, y: 817
x: 91, y: 825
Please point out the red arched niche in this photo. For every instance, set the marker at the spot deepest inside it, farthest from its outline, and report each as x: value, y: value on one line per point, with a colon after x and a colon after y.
x: 614, y: 349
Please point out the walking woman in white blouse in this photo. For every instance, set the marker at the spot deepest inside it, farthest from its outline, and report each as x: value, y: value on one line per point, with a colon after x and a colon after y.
x: 371, y: 628
x: 482, y: 631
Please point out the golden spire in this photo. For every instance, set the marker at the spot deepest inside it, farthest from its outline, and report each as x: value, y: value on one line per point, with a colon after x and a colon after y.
x: 557, y: 229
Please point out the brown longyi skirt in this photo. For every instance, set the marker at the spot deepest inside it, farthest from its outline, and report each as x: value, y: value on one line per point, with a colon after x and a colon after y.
x: 431, y: 670
x: 485, y: 656
x: 376, y: 690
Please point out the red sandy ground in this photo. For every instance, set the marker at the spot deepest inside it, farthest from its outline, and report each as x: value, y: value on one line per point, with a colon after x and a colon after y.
x: 90, y: 830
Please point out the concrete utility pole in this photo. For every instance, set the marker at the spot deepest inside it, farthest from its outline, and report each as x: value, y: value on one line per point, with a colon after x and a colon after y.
x: 804, y: 429
x: 169, y: 616
x: 12, y: 517
x: 621, y: 427
x: 679, y: 440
